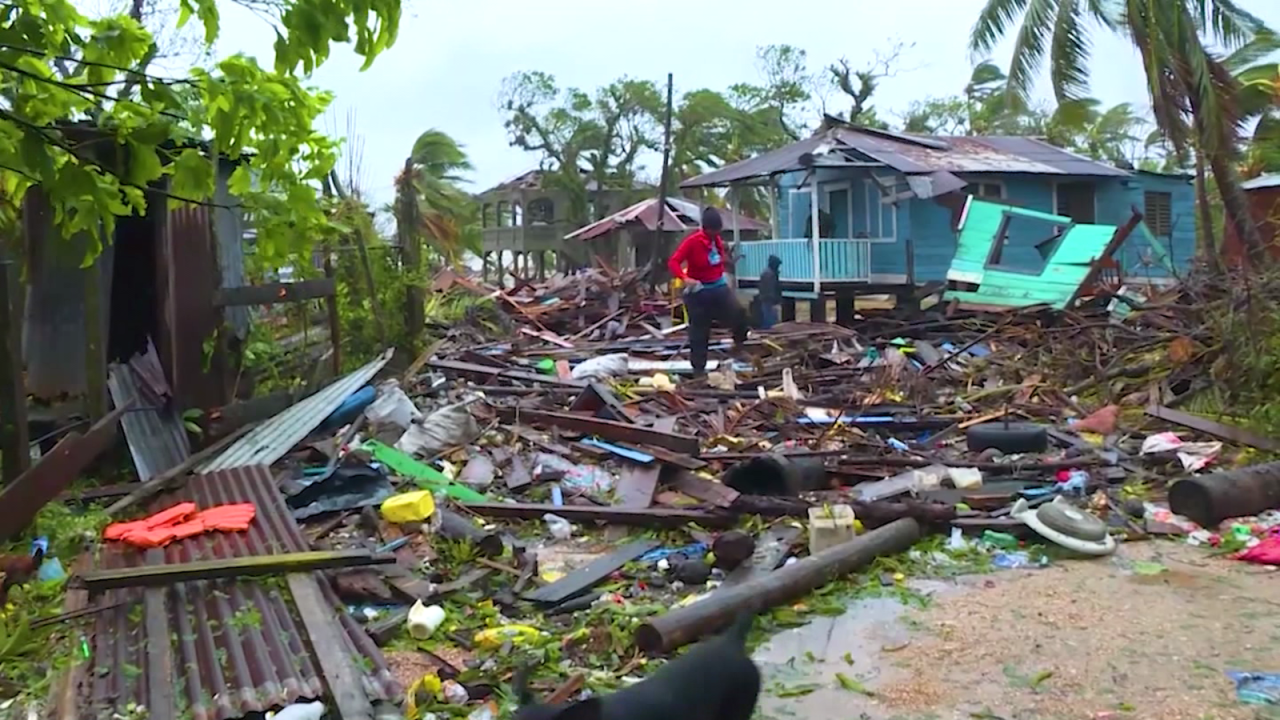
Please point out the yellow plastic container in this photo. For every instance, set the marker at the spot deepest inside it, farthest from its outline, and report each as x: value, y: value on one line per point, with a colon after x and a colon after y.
x: 409, y: 507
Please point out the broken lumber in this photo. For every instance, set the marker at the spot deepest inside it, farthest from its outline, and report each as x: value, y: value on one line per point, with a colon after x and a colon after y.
x: 644, y: 517
x: 608, y: 429
x: 1216, y: 429
x: 256, y: 566
x: 684, y: 625
x: 456, y: 527
x: 488, y: 373
x: 583, y: 578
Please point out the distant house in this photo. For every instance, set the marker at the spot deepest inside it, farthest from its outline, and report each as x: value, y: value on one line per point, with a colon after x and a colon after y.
x: 890, y: 205
x: 1263, y: 196
x: 629, y: 238
x: 524, y: 220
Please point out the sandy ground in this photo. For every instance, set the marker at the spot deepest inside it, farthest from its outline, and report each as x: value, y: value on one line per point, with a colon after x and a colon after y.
x: 1087, y: 639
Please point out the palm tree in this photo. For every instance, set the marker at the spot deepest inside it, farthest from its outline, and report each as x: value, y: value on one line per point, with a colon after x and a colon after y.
x: 1193, y: 94
x: 1109, y: 135
x: 431, y: 204
x: 1256, y: 70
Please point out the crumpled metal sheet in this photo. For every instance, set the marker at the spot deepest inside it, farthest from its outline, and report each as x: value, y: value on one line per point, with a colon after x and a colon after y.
x: 270, y: 441
x: 153, y: 428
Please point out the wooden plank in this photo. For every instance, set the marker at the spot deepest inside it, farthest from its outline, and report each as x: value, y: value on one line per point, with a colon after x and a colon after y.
x: 517, y: 474
x: 1219, y: 430
x: 330, y: 647
x: 160, y: 700
x: 593, y: 572
x: 255, y: 566
x: 15, y: 452
x: 705, y: 490
x: 609, y: 429
x: 489, y: 373
x: 770, y: 552
x: 637, y: 485
x: 45, y: 480
x: 65, y: 692
x: 663, y: 455
x: 643, y: 517
x: 272, y: 293
x: 601, y: 402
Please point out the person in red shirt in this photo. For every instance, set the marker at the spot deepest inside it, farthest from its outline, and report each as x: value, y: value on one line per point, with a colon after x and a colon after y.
x: 699, y: 263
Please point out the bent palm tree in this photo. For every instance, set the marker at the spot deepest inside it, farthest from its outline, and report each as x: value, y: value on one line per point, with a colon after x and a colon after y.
x: 430, y: 199
x: 1256, y: 69
x: 1192, y: 92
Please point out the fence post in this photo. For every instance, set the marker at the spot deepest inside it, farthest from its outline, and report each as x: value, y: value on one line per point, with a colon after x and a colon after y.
x: 15, y: 445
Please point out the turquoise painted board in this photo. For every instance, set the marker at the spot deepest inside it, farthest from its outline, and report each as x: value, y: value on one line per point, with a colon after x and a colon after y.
x: 1054, y: 285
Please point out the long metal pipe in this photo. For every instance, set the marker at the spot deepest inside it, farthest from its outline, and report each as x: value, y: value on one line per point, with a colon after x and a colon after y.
x: 685, y: 625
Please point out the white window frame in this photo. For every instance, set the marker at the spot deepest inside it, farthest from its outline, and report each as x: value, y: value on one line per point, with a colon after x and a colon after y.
x: 977, y: 184
x: 872, y: 196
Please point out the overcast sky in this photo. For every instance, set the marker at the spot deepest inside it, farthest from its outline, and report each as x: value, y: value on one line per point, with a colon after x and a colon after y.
x: 446, y: 69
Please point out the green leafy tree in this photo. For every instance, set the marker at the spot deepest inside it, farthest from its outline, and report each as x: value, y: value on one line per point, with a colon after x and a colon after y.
x: 84, y: 119
x: 574, y: 131
x: 1113, y: 134
x: 1256, y: 69
x: 1193, y: 93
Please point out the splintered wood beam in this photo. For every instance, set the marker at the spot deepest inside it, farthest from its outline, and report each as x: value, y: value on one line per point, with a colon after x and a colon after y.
x: 272, y: 293
x: 643, y: 517
x: 153, y: 575
x: 608, y: 429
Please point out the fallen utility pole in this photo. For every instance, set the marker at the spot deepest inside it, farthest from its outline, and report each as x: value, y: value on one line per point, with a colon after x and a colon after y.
x: 257, y: 566
x: 608, y: 429
x: 644, y: 517
x: 684, y: 625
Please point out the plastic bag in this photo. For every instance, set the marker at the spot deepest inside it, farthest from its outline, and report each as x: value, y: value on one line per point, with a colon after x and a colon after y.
x: 604, y: 367
x: 578, y: 478
x: 393, y: 406
x: 449, y: 427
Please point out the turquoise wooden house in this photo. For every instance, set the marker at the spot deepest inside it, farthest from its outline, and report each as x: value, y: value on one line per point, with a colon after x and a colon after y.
x: 891, y: 204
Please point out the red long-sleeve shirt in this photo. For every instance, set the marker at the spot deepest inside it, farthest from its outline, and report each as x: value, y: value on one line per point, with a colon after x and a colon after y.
x: 695, y: 254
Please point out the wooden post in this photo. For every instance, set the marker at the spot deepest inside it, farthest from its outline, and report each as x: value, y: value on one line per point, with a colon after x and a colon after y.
x: 410, y: 245
x: 331, y: 307
x: 817, y: 233
x: 15, y: 452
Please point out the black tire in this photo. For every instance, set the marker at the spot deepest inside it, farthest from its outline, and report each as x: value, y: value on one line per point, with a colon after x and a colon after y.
x: 1009, y: 439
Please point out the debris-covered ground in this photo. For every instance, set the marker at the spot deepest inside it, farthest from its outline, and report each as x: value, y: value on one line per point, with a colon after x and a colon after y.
x: 951, y: 514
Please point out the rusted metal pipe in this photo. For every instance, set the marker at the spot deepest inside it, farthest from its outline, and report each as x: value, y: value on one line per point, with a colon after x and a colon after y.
x: 1210, y: 499
x: 685, y: 625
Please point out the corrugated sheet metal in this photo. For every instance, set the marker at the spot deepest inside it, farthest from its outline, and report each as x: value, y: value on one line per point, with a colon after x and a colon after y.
x: 237, y: 647
x: 681, y: 215
x: 271, y: 440
x: 53, y: 328
x: 229, y: 232
x: 153, y: 428
x: 1262, y: 181
x: 784, y: 159
x: 189, y: 269
x: 917, y: 155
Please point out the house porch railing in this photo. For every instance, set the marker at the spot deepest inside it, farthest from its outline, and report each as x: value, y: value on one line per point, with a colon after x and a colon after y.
x: 837, y: 260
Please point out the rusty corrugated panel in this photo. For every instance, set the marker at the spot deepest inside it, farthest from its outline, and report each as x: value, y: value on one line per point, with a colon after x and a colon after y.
x: 784, y: 159
x: 189, y: 269
x: 271, y: 440
x: 236, y: 647
x: 153, y: 428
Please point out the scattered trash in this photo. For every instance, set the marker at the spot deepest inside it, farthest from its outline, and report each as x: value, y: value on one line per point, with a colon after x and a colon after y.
x: 1064, y: 524
x: 1255, y: 688
x: 424, y: 619
x: 393, y: 406
x: 409, y: 507
x: 559, y: 528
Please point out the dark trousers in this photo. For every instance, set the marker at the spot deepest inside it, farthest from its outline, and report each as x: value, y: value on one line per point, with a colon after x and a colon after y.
x: 707, y: 307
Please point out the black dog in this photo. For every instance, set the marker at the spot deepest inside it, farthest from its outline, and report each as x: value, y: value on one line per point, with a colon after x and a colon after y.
x: 715, y: 680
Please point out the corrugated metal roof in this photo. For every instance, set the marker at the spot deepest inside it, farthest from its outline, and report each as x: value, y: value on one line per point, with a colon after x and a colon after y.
x: 682, y: 215
x: 237, y: 647
x: 270, y: 441
x: 784, y: 159
x: 153, y: 428
x: 919, y: 154
x: 1262, y: 181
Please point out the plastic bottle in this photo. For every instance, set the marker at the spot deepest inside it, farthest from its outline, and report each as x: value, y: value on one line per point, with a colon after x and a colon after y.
x: 301, y: 711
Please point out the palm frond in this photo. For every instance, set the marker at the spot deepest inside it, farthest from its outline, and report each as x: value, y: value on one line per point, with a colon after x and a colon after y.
x: 1262, y: 46
x: 1069, y: 52
x: 1029, y: 48
x: 993, y: 23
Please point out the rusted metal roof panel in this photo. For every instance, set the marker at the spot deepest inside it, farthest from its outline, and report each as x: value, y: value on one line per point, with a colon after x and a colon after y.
x: 235, y: 646
x: 681, y: 215
x: 153, y: 428
x: 271, y: 440
x: 783, y: 160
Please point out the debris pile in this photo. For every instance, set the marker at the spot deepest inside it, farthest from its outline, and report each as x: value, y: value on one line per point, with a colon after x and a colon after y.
x: 548, y: 485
